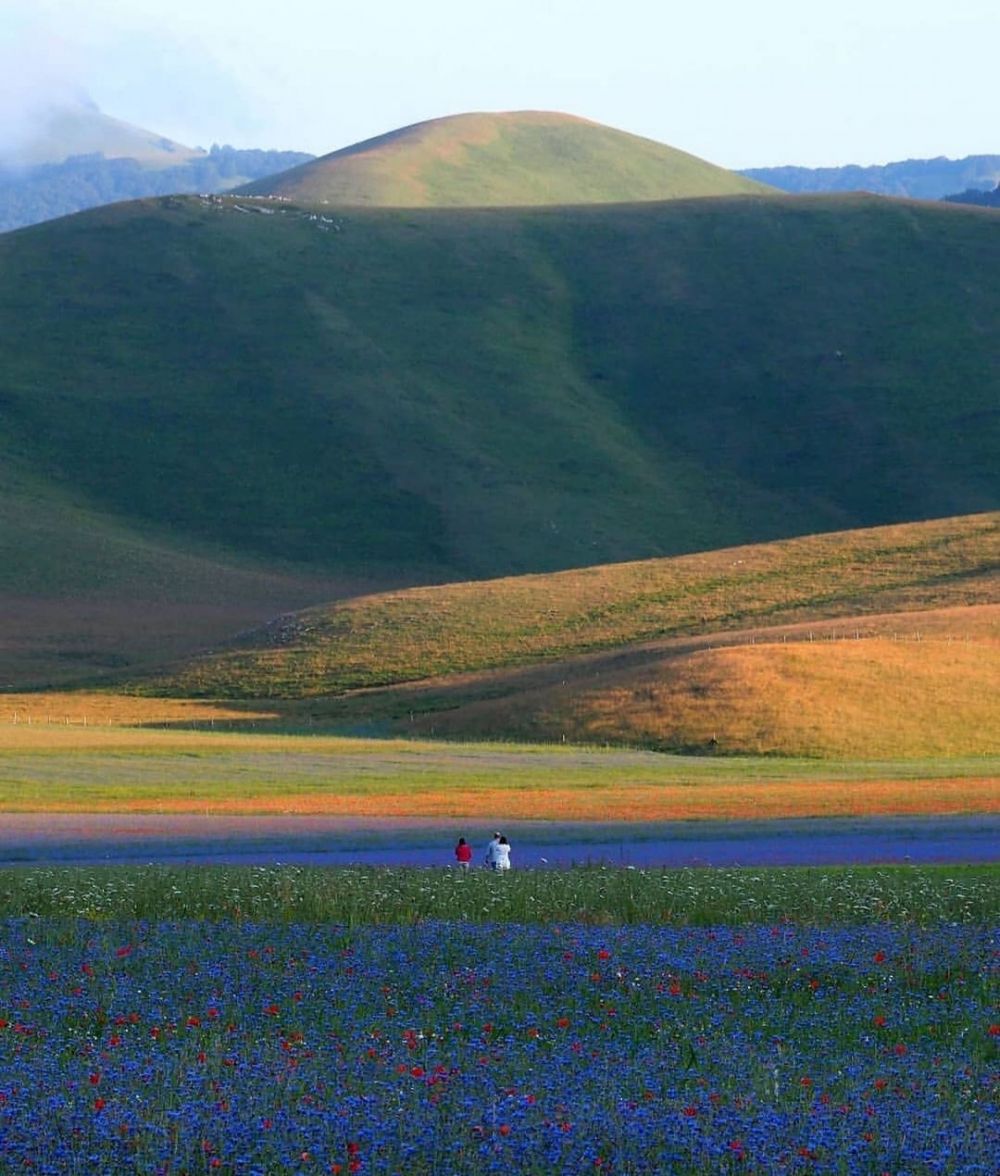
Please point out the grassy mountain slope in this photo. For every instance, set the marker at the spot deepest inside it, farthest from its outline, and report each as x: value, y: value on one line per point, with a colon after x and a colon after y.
x: 456, y: 629
x: 516, y: 158
x: 431, y: 395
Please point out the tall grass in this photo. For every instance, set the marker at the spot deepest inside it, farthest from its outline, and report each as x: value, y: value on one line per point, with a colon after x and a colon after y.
x: 923, y: 895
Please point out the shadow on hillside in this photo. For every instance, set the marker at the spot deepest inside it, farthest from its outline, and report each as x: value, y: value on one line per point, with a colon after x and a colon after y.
x: 409, y: 709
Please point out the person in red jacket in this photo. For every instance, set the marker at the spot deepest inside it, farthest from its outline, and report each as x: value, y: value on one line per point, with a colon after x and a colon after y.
x: 463, y: 854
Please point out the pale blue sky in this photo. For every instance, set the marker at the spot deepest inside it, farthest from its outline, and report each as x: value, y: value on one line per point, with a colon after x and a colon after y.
x: 739, y: 83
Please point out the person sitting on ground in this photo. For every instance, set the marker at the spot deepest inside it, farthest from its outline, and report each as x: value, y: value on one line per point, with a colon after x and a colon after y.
x: 463, y: 854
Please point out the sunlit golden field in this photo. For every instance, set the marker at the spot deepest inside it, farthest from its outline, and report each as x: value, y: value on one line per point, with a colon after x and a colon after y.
x: 934, y: 693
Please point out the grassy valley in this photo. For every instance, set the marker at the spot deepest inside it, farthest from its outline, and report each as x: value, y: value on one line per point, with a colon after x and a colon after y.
x: 356, y: 528
x: 78, y: 754
x: 85, y: 593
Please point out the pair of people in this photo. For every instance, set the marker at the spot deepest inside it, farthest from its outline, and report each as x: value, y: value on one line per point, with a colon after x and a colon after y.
x: 497, y: 853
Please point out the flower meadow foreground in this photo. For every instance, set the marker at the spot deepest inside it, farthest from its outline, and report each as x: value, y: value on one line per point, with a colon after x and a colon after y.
x: 453, y: 1048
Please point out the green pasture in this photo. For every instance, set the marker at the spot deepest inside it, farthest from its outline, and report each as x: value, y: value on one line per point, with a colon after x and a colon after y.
x: 53, y: 767
x: 356, y: 896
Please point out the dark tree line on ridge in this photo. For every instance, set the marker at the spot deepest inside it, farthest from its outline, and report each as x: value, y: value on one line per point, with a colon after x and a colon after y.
x: 975, y: 196
x: 88, y: 181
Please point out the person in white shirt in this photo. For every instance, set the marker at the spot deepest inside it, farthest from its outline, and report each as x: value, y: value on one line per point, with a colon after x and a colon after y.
x: 502, y: 854
x: 491, y: 851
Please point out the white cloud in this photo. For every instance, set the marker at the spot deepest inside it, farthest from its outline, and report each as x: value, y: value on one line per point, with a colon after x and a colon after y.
x: 39, y: 70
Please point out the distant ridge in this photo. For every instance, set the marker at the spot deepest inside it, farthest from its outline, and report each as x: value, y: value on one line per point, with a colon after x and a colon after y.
x: 28, y: 196
x: 82, y: 128
x: 918, y: 179
x: 505, y: 159
x: 76, y: 157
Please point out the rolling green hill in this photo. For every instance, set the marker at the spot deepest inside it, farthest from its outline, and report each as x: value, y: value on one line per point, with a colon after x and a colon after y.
x: 879, y: 643
x: 403, y: 397
x: 516, y: 158
x: 448, y: 631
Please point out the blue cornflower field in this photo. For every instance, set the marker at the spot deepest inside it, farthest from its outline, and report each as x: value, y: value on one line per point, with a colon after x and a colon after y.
x: 450, y: 1047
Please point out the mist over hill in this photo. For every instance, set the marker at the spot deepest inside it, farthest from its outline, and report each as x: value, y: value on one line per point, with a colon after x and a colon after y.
x: 503, y: 159
x: 48, y: 132
x: 921, y: 179
x: 73, y: 157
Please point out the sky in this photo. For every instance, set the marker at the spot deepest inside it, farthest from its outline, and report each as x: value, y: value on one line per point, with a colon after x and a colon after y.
x: 741, y: 84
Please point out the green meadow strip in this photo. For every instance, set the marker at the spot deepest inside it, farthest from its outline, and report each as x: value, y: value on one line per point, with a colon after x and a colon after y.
x: 93, y: 769
x: 918, y: 895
